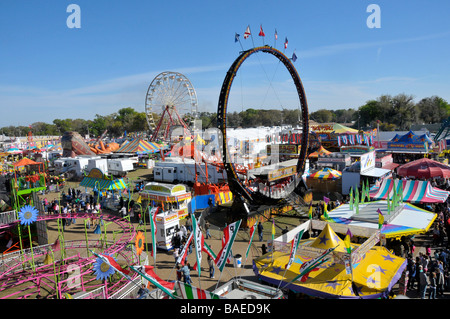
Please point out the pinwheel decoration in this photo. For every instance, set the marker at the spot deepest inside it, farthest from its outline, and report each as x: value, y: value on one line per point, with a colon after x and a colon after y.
x: 28, y: 215
x: 102, y: 269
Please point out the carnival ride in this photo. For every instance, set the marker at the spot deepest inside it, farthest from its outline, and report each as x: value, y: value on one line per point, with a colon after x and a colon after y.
x: 171, y: 102
x: 242, y: 192
x: 70, y: 267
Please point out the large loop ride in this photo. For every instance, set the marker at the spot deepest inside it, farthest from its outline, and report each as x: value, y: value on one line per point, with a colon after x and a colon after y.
x: 235, y: 184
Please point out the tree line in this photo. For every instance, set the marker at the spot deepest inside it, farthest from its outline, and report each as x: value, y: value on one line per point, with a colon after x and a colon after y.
x: 388, y: 112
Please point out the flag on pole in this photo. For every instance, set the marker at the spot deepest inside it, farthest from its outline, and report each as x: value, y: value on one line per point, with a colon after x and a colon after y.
x: 350, y: 202
x: 273, y: 230
x: 236, y: 37
x: 153, y: 281
x: 310, y: 211
x: 247, y: 32
x: 347, y: 238
x: 276, y: 35
x: 183, y: 253
x: 187, y: 291
x: 294, y: 57
x: 252, y: 232
x: 198, y: 242
x: 308, y: 266
x: 294, y: 246
x: 261, y: 32
x: 325, y: 206
x: 285, y: 43
x: 380, y: 219
x: 153, y: 212
x: 226, y: 249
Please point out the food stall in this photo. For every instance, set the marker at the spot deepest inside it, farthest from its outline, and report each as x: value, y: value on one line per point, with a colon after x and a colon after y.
x: 170, y: 197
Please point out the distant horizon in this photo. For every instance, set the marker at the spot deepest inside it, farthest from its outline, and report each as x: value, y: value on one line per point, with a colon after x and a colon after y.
x: 50, y: 68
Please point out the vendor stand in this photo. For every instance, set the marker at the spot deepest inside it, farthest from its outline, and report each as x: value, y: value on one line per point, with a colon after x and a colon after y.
x: 168, y: 196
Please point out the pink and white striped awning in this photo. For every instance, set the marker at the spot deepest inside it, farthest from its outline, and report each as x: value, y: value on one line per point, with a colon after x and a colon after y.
x: 414, y: 191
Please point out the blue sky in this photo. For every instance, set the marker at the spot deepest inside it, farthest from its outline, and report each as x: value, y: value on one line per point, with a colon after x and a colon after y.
x: 50, y: 71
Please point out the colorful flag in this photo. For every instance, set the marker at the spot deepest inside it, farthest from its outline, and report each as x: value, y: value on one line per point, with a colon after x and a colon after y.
x: 252, y: 232
x: 380, y: 219
x: 183, y: 253
x: 325, y: 206
x: 261, y: 32
x: 339, y: 140
x: 226, y: 249
x: 310, y: 210
x: 294, y: 57
x: 294, y: 246
x: 309, y: 265
x: 273, y: 229
x: 154, y: 282
x: 198, y: 242
x: 236, y: 37
x: 350, y: 202
x: 187, y: 291
x: 347, y: 238
x: 153, y: 212
x: 285, y: 43
x: 247, y: 32
x: 276, y: 34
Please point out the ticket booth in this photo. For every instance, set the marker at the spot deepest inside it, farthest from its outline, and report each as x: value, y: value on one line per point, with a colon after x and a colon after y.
x: 167, y: 224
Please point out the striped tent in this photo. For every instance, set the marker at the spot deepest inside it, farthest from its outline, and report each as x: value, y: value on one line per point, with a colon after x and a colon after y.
x: 320, y: 151
x: 139, y: 146
x: 326, y: 173
x: 103, y: 184
x: 414, y: 191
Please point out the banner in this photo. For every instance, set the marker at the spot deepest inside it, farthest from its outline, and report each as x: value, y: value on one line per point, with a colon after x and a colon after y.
x: 198, y: 242
x: 294, y: 246
x: 226, y: 249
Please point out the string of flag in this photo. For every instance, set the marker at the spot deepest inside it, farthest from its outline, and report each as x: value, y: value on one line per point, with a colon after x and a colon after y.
x: 262, y: 34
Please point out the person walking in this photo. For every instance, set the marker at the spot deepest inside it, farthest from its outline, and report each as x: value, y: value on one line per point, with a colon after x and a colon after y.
x: 211, y: 267
x: 423, y: 282
x: 432, y: 286
x: 186, y: 273
x: 208, y: 234
x: 260, y: 231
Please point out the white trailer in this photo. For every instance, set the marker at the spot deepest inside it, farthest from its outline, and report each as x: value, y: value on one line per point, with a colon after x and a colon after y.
x: 73, y: 165
x: 100, y: 163
x: 120, y: 166
x: 180, y: 170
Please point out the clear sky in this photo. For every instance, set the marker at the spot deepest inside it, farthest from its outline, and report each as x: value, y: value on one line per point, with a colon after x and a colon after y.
x: 49, y: 71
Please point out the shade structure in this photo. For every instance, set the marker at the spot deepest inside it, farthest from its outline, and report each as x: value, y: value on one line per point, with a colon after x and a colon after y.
x: 102, y: 183
x: 25, y: 162
x: 424, y: 168
x: 407, y: 220
x: 320, y: 151
x: 139, y: 146
x: 372, y: 275
x: 413, y: 191
x: 326, y: 173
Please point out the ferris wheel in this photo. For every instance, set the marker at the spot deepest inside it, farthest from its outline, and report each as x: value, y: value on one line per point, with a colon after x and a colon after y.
x: 171, y: 102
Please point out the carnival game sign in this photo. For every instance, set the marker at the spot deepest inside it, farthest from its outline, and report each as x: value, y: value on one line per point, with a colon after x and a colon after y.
x: 282, y: 173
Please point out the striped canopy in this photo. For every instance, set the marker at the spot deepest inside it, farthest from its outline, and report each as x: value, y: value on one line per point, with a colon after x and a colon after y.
x: 326, y: 173
x: 103, y: 184
x: 139, y: 146
x: 414, y: 191
x: 320, y: 151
